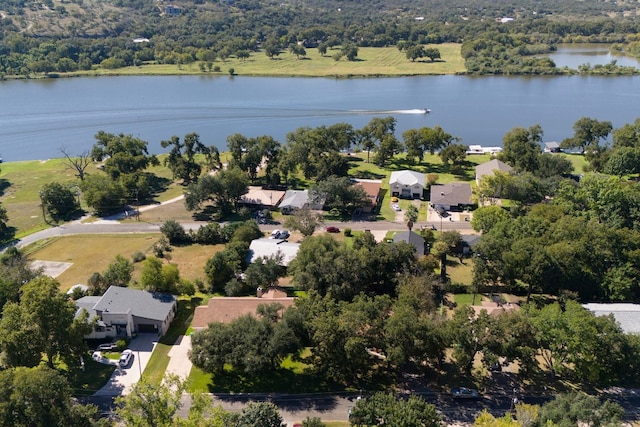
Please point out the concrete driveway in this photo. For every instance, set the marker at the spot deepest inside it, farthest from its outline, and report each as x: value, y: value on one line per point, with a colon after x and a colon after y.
x: 123, y: 379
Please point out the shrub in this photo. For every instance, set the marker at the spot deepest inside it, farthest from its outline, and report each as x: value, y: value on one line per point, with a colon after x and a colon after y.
x: 121, y: 345
x: 139, y: 256
x: 174, y: 232
x: 347, y: 232
x: 234, y: 288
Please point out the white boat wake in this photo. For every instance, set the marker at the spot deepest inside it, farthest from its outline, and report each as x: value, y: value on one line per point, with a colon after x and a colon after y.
x: 414, y: 111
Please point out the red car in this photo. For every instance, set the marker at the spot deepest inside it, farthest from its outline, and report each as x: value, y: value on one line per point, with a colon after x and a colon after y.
x: 333, y: 230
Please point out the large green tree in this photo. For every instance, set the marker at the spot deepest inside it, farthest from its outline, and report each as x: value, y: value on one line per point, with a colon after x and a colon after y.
x: 151, y: 405
x: 521, y: 148
x: 41, y: 397
x: 182, y: 157
x: 385, y: 408
x: 339, y: 193
x: 59, y: 200
x: 225, y: 188
x: 43, y: 322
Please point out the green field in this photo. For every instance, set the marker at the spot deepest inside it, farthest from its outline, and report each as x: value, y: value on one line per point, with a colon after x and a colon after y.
x: 381, y: 61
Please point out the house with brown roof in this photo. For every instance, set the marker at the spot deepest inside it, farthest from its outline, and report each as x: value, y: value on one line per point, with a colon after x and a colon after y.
x: 372, y: 189
x: 226, y: 309
x: 258, y: 197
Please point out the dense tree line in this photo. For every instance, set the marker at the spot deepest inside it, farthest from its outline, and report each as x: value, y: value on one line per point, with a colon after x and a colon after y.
x: 208, y: 32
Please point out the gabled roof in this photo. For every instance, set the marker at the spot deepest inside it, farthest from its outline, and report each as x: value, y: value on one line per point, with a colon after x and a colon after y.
x: 453, y: 194
x: 407, y: 177
x: 489, y: 167
x: 259, y: 196
x: 295, y: 198
x: 87, y: 303
x: 270, y: 247
x: 145, y: 304
x: 552, y: 145
x: 412, y: 238
x: 371, y: 188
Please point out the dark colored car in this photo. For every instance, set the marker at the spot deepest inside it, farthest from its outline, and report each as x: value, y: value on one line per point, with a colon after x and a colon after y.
x: 464, y: 393
x: 333, y: 230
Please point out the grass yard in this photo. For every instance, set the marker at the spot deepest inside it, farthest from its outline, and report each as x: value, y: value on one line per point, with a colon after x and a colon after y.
x: 460, y: 273
x: 92, y: 379
x: 157, y: 366
x: 93, y: 253
x: 383, y: 61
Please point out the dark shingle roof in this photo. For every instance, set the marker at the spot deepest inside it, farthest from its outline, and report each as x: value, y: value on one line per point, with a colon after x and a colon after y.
x: 146, y: 304
x: 412, y: 238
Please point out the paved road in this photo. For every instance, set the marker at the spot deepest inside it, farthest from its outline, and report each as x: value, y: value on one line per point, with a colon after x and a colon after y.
x: 116, y: 227
x: 295, y: 408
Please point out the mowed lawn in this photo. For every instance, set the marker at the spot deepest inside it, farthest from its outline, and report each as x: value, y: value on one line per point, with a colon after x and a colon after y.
x: 371, y: 61
x: 93, y: 253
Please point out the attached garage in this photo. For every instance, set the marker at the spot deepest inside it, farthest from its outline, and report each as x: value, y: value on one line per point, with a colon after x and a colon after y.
x: 146, y: 327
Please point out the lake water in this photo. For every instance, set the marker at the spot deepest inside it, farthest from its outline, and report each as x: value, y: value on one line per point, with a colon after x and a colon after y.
x: 574, y: 55
x: 38, y: 117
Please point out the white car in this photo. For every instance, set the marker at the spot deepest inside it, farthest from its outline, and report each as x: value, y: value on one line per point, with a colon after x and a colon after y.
x: 125, y: 358
x: 396, y: 207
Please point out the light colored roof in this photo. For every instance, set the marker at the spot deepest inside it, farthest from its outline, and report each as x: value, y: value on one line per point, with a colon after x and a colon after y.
x: 407, y: 177
x: 493, y: 308
x: 269, y: 247
x: 295, y: 198
x: 145, y: 304
x: 452, y: 194
x: 626, y: 314
x: 551, y: 144
x: 258, y: 196
x: 83, y: 288
x: 489, y: 167
x: 226, y: 309
x: 412, y: 238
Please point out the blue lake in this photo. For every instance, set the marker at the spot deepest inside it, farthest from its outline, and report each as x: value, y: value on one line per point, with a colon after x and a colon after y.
x: 38, y: 117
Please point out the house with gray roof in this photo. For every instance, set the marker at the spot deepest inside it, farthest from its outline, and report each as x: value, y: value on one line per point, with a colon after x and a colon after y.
x: 124, y: 311
x: 452, y: 196
x: 552, y: 147
x: 298, y: 199
x: 489, y: 168
x: 627, y: 315
x: 413, y: 238
x: 407, y: 184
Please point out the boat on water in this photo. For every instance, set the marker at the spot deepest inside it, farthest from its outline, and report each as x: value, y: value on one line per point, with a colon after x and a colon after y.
x: 427, y: 110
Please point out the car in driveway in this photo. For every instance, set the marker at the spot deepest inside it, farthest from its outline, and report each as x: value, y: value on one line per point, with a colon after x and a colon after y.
x: 110, y: 346
x: 464, y: 393
x: 125, y: 358
x: 396, y: 207
x: 332, y: 229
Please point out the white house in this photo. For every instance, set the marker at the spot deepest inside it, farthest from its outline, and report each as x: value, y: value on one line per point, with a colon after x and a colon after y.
x: 266, y: 248
x: 123, y: 311
x: 407, y: 184
x: 297, y: 199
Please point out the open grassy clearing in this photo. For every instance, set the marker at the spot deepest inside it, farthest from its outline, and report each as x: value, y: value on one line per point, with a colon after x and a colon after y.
x: 93, y: 253
x: 382, y: 61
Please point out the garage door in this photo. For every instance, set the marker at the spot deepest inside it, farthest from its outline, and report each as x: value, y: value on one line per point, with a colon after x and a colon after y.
x: 147, y: 328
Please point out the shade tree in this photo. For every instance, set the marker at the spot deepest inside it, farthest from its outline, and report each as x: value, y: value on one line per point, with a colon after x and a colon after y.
x: 182, y: 160
x: 59, y: 201
x: 521, y: 148
x: 304, y: 220
x: 339, y: 193
x: 385, y: 408
x: 225, y: 189
x: 43, y: 322
x: 588, y: 133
